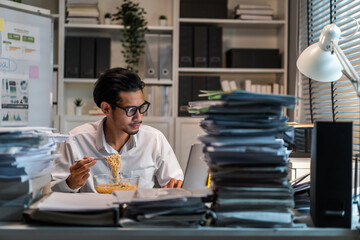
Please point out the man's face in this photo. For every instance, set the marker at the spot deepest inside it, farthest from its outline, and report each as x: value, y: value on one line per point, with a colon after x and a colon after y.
x: 129, y: 125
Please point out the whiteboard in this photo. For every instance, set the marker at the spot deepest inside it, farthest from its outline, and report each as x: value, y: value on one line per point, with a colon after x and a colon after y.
x: 26, y: 42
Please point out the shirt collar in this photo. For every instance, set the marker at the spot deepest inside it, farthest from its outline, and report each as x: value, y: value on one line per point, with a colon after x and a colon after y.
x: 101, y: 141
x: 100, y: 136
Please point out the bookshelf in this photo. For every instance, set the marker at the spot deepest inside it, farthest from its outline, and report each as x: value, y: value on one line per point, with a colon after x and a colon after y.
x: 71, y: 88
x: 235, y: 34
x: 181, y: 132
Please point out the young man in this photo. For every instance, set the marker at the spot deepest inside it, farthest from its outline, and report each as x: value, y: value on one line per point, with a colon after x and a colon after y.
x: 144, y: 151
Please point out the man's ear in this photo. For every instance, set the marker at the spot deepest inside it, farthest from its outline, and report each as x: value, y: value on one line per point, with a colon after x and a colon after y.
x: 105, y: 108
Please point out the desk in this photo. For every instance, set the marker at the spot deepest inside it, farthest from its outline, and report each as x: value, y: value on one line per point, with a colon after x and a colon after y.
x: 18, y: 231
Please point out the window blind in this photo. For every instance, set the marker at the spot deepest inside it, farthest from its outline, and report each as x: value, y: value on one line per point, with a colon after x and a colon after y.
x: 336, y: 101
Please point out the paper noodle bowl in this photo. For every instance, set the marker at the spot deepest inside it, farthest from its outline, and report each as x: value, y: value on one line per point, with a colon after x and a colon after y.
x: 106, y: 184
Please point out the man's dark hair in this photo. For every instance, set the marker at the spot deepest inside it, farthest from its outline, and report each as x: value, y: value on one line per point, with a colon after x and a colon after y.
x: 112, y: 82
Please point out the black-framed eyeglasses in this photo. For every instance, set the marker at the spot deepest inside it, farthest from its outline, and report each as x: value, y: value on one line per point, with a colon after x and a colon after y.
x: 131, y: 110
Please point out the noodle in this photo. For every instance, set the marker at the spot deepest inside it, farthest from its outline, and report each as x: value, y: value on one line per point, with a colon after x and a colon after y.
x: 114, y: 161
x: 109, y: 188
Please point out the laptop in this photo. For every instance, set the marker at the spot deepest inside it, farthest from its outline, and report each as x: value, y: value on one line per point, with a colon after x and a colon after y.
x: 196, y: 172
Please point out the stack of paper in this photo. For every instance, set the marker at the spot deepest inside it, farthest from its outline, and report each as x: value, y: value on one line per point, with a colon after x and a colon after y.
x: 25, y: 166
x: 248, y: 160
x: 253, y: 12
x: 165, y: 207
x: 82, y: 11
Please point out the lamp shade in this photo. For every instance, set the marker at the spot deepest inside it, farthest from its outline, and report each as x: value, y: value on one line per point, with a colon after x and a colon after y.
x: 319, y: 64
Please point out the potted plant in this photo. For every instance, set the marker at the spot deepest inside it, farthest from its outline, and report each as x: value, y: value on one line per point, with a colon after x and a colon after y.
x: 107, y: 18
x: 78, y: 106
x: 162, y: 20
x: 132, y: 17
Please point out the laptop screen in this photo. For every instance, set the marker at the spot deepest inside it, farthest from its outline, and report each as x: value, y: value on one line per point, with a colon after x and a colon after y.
x: 196, y: 173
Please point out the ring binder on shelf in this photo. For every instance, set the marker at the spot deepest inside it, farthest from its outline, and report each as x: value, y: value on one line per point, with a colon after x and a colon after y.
x: 165, y: 56
x: 152, y: 56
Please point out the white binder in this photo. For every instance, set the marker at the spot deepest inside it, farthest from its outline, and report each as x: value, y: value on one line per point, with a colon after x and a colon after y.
x: 152, y: 57
x: 165, y: 57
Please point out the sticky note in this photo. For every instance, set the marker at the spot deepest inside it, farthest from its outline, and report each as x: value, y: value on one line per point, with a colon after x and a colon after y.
x: 2, y: 24
x: 34, y: 72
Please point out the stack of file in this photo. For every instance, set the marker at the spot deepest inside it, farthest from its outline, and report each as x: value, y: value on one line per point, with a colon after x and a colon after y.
x: 165, y: 207
x: 247, y: 158
x: 25, y: 167
x: 82, y: 11
x: 253, y: 12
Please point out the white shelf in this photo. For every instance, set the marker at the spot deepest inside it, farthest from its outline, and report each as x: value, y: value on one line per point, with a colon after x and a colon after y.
x: 93, y: 80
x: 55, y: 15
x: 234, y: 22
x: 231, y: 70
x: 115, y: 27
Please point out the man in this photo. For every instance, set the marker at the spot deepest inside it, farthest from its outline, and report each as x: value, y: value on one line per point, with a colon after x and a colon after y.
x: 144, y: 151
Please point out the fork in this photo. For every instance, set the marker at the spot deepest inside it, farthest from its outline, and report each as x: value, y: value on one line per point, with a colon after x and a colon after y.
x: 100, y: 158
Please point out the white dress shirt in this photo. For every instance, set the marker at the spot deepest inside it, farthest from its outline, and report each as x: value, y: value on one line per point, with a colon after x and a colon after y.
x: 146, y: 154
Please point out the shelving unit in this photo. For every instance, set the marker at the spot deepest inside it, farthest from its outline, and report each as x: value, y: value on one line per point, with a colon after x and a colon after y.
x: 236, y: 34
x: 70, y: 88
x: 181, y: 132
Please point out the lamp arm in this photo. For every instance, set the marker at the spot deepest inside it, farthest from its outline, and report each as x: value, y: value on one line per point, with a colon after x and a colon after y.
x: 348, y: 68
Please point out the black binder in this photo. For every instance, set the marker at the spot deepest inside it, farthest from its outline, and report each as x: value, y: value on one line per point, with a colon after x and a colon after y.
x: 87, y: 57
x: 72, y: 57
x: 213, y: 83
x: 203, y: 8
x: 200, y: 46
x: 215, y: 46
x: 185, y: 94
x: 198, y: 83
x: 186, y: 46
x: 102, y: 57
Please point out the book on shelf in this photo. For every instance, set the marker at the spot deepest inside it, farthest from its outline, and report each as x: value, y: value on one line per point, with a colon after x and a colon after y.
x: 81, y: 2
x: 160, y: 99
x: 80, y: 20
x: 225, y: 85
x: 253, y: 17
x: 253, y: 6
x: 254, y: 11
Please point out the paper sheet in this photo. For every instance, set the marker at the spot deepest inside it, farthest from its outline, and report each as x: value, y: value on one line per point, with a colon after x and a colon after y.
x: 79, y: 202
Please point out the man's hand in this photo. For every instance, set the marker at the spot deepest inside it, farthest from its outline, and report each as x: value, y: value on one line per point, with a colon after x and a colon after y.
x: 173, y: 183
x: 79, y: 172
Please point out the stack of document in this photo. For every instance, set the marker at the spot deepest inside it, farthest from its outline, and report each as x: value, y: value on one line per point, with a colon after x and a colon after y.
x: 165, y: 207
x: 25, y: 167
x: 82, y: 12
x: 253, y: 12
x: 247, y: 158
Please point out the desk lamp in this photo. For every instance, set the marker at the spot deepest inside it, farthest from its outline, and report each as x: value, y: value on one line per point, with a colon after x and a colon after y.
x: 324, y: 61
x: 319, y: 62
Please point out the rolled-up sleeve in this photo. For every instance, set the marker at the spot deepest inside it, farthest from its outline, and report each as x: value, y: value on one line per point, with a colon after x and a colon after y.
x: 62, y: 165
x: 167, y: 164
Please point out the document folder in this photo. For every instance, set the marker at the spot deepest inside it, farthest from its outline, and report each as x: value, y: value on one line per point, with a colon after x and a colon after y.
x: 72, y: 57
x: 200, y: 46
x: 165, y: 56
x: 102, y: 59
x: 87, y: 57
x: 186, y: 46
x: 152, y: 56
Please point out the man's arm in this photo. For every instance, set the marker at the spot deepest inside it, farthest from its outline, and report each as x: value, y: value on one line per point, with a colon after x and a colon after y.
x: 169, y: 173
x: 68, y: 177
x: 79, y: 173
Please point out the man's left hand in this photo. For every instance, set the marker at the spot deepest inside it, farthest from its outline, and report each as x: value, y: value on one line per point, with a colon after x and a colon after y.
x: 173, y: 183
